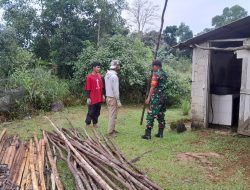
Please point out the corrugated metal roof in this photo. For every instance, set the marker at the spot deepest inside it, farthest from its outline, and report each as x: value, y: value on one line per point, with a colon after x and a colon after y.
x: 237, y: 29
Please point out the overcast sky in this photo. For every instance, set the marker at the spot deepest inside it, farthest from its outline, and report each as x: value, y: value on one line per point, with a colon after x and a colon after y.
x: 195, y: 13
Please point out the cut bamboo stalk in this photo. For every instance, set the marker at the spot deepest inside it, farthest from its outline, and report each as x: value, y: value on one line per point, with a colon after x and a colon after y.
x: 2, y: 134
x: 84, y: 164
x: 36, y: 142
x: 26, y: 171
x: 74, y: 172
x: 8, y: 152
x: 114, y: 186
x: 22, y: 168
x: 13, y: 153
x: 2, y: 143
x: 53, y: 183
x: 43, y: 153
x: 85, y: 179
x: 52, y: 163
x: 3, y: 148
x: 32, y: 167
x: 54, y: 144
x: 17, y: 163
x: 114, y: 164
x: 48, y: 176
x: 41, y: 167
x: 28, y: 183
x: 36, y: 156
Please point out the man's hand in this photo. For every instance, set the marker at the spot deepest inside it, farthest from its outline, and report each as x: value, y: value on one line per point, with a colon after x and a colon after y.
x: 147, y: 101
x: 88, y: 101
x: 119, y: 104
x: 103, y: 98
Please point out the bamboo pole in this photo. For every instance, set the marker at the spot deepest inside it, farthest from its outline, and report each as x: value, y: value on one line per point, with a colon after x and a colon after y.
x: 32, y: 167
x: 12, y: 153
x: 74, y: 172
x: 8, y: 153
x: 16, y: 168
x: 53, y: 164
x: 41, y: 166
x: 22, y: 168
x: 26, y: 171
x: 2, y: 134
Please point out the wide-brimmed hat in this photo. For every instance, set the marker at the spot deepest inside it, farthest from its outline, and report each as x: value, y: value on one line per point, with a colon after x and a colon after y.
x: 114, y: 64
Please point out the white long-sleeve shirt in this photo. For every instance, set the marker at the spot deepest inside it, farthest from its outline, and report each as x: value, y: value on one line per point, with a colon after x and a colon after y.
x: 112, y: 84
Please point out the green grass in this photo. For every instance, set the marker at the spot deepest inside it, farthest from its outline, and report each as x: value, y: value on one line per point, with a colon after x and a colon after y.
x: 161, y: 165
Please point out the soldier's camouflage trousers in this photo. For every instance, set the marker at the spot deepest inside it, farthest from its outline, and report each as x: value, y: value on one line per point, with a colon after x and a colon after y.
x: 157, y: 109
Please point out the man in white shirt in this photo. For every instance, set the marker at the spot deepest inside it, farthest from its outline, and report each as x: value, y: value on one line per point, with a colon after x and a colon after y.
x: 112, y: 95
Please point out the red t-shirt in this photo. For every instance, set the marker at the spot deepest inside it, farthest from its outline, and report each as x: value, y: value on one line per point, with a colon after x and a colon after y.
x: 95, y: 86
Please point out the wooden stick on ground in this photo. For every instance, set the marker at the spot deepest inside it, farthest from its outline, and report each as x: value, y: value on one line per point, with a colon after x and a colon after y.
x: 41, y: 165
x: 2, y: 134
x: 26, y: 171
x: 21, y: 172
x: 32, y: 167
x: 52, y: 163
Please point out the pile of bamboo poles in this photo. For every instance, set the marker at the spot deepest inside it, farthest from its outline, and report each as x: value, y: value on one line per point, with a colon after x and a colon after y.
x: 26, y: 165
x: 95, y: 161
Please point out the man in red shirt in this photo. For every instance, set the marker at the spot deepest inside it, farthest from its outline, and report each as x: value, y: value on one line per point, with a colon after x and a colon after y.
x: 95, y: 97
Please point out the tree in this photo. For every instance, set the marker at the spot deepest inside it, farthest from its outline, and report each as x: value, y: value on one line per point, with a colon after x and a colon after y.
x: 173, y: 35
x: 229, y: 15
x: 21, y: 16
x: 170, y: 35
x: 150, y: 39
x: 12, y: 56
x: 143, y: 12
x: 184, y: 33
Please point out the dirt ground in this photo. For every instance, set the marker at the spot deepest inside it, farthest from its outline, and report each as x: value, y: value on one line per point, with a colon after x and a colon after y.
x: 205, y: 159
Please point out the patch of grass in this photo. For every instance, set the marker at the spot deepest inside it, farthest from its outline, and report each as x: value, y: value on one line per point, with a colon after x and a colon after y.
x: 161, y: 165
x: 66, y: 176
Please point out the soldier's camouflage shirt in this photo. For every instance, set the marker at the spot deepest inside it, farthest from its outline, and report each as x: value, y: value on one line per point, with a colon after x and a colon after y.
x: 159, y: 81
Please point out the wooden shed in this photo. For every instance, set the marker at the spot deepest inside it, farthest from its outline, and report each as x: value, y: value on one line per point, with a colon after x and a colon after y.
x: 221, y: 76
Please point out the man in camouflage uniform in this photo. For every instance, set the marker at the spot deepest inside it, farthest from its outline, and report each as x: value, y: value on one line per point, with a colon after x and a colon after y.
x: 156, y: 100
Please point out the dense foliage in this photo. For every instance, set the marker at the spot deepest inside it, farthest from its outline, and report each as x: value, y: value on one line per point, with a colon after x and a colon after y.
x: 133, y: 56
x: 178, y: 87
x: 41, y: 88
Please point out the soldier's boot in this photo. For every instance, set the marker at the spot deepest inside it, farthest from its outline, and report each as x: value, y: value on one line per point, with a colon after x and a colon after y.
x: 147, y: 135
x: 160, y: 132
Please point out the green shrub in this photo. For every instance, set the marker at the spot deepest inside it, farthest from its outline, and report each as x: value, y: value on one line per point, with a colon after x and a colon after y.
x: 42, y: 88
x: 185, y: 106
x: 134, y: 58
x: 178, y: 86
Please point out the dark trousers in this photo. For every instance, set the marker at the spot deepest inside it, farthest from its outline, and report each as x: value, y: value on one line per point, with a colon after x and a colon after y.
x: 93, y: 113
